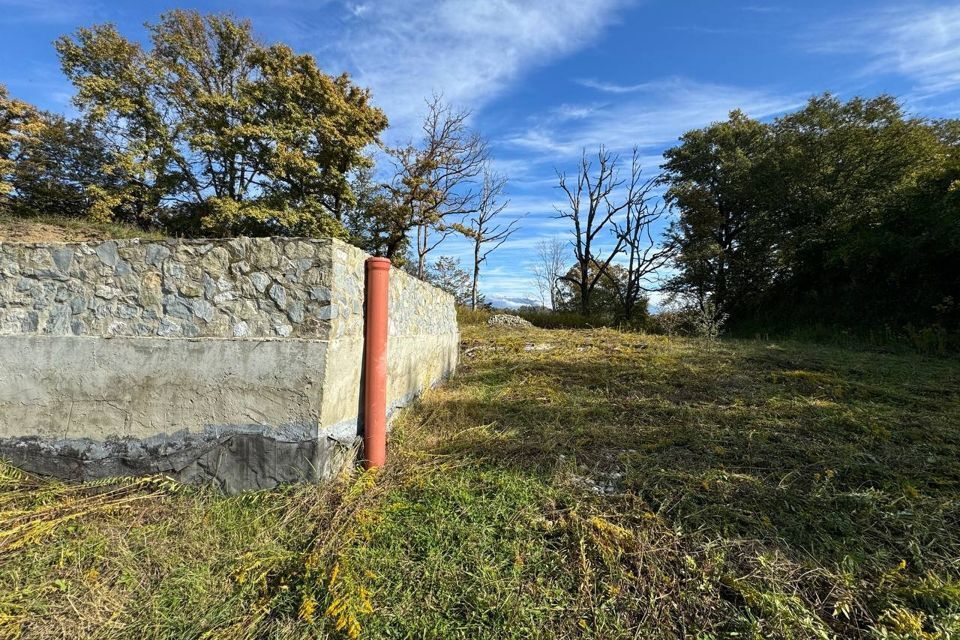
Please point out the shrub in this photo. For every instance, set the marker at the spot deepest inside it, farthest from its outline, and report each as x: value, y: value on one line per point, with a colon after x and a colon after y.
x: 467, y: 316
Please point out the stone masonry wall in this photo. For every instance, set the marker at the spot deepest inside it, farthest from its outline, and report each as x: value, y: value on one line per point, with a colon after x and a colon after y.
x: 242, y: 287
x: 236, y: 361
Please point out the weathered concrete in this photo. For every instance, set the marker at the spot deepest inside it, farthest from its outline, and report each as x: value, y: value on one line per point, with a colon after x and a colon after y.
x: 236, y: 361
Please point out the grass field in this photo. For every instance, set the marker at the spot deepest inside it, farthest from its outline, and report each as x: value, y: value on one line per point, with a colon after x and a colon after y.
x: 564, y: 484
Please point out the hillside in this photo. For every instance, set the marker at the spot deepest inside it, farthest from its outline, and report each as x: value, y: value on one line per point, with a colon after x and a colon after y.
x: 564, y: 484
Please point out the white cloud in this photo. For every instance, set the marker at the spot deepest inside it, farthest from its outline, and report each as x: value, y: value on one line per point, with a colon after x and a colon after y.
x: 921, y: 43
x: 469, y: 51
x: 650, y: 117
x: 612, y: 87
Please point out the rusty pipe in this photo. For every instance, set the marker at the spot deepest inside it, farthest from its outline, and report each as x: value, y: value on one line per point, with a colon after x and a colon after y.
x: 375, y: 364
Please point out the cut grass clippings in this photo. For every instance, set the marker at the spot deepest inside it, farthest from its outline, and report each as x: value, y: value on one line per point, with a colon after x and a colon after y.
x: 563, y: 484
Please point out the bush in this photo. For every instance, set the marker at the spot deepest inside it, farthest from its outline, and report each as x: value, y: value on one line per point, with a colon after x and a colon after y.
x: 467, y: 316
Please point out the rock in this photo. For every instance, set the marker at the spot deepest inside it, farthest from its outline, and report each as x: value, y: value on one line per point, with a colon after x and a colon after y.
x: 63, y: 258
x: 241, y: 329
x: 279, y: 295
x: 168, y: 328
x: 203, y: 309
x: 260, y: 281
x: 507, y: 320
x: 295, y: 312
x: 107, y: 252
x: 156, y: 254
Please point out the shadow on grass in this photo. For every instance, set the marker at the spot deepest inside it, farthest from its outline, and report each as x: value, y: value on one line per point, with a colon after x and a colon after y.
x: 824, y: 457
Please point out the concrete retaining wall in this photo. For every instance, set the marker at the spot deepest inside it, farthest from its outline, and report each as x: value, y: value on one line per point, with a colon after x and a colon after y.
x: 237, y: 361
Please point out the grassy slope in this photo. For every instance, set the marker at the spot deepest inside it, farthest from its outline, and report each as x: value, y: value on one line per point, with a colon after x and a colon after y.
x: 43, y: 228
x: 564, y: 484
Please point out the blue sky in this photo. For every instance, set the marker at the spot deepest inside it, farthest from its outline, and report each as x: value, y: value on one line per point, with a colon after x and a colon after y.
x: 545, y: 78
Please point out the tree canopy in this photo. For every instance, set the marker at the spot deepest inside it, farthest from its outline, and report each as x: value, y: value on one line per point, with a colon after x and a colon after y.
x: 215, y: 131
x: 842, y: 212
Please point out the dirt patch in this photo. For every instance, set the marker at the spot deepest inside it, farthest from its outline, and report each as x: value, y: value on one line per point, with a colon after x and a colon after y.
x: 55, y: 229
x: 21, y: 231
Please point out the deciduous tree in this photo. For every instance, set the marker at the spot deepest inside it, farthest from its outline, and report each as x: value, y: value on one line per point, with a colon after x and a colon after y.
x: 484, y: 229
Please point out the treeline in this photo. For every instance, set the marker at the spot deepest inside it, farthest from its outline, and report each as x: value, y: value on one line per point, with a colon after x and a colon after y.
x: 842, y: 213
x: 208, y: 131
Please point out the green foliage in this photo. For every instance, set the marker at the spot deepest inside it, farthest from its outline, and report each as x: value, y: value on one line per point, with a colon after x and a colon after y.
x: 447, y: 274
x: 218, y: 130
x: 18, y: 122
x: 843, y: 212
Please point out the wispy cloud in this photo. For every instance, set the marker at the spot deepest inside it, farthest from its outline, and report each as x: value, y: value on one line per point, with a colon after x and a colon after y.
x: 650, y: 117
x: 69, y: 12
x: 469, y: 51
x: 612, y: 87
x: 919, y: 42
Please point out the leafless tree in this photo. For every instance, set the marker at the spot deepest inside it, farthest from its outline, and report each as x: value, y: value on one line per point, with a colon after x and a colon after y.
x: 645, y: 256
x: 595, y: 198
x: 549, y: 268
x: 436, y: 180
x: 484, y: 227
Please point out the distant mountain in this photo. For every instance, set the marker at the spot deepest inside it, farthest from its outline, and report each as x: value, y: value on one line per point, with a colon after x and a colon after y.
x: 511, y: 302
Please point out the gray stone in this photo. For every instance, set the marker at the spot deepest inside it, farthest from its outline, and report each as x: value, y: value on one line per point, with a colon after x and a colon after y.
x: 279, y: 295
x: 107, y: 252
x: 168, y: 328
x: 260, y: 281
x: 63, y: 258
x: 203, y: 309
x: 178, y: 307
x: 241, y: 329
x: 295, y: 312
x: 58, y: 322
x: 123, y: 268
x: 156, y: 254
x: 320, y: 293
x: 283, y: 330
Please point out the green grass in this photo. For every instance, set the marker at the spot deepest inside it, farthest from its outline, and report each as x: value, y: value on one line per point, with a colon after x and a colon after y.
x: 564, y: 484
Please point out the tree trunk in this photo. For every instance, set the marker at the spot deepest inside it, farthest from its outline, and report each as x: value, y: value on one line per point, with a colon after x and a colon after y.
x: 476, y: 275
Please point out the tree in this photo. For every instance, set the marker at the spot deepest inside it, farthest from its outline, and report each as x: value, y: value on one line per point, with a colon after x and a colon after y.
x: 19, y: 121
x: 61, y: 168
x: 594, y: 200
x: 484, y: 230
x: 716, y: 185
x: 839, y: 213
x: 605, y: 304
x: 433, y: 182
x: 645, y: 255
x: 232, y: 135
x: 447, y: 274
x: 549, y: 269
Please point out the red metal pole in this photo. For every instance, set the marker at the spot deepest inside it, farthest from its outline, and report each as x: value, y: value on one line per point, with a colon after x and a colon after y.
x: 375, y: 364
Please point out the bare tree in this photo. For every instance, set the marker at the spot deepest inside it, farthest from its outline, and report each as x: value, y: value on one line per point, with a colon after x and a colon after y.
x: 644, y: 255
x: 549, y: 268
x: 594, y: 200
x: 436, y: 180
x: 484, y: 228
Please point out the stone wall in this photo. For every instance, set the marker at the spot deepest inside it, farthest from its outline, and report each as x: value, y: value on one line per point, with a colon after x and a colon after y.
x: 242, y: 287
x: 233, y: 360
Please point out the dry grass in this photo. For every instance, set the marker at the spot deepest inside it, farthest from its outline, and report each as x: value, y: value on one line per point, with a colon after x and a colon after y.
x: 565, y: 484
x: 55, y: 229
